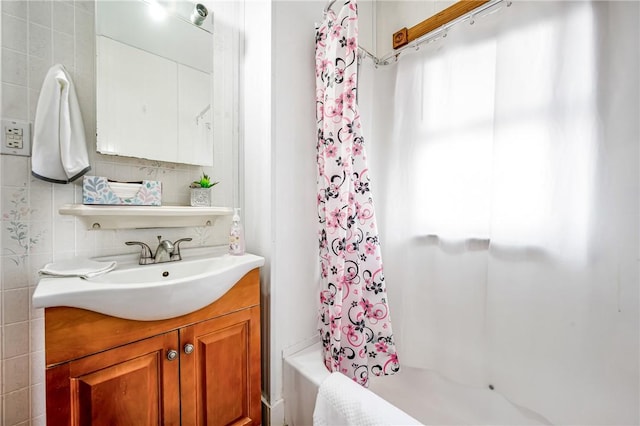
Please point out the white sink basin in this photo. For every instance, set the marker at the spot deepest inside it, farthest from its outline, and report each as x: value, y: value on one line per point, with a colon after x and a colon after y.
x: 149, y: 292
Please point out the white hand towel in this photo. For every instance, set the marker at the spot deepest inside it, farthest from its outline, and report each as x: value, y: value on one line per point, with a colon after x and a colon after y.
x: 341, y: 401
x: 79, y: 267
x: 59, y: 145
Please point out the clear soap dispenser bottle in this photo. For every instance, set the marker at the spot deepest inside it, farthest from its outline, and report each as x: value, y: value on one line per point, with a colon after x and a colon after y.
x: 236, y: 235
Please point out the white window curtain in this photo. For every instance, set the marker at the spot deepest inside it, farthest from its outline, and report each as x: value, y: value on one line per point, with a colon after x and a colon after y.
x: 509, y: 210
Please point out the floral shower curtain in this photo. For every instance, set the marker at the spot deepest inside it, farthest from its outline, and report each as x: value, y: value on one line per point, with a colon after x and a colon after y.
x: 354, y: 317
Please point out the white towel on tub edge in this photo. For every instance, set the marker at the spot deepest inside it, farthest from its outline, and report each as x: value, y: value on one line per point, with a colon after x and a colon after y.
x: 59, y: 145
x: 341, y: 401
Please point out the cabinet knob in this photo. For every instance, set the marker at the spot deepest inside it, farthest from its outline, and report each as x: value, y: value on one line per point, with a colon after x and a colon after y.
x: 172, y: 354
x: 188, y: 348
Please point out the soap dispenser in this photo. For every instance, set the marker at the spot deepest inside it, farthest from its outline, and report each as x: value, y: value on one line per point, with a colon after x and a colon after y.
x: 236, y: 235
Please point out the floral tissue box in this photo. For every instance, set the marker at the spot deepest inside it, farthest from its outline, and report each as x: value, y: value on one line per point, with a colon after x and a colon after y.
x: 98, y: 190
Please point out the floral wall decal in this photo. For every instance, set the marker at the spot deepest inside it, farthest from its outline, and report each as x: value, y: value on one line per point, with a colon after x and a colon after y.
x: 17, y: 226
x: 155, y: 168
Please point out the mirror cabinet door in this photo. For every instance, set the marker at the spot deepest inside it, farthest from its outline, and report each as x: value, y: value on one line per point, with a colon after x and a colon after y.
x: 153, y: 85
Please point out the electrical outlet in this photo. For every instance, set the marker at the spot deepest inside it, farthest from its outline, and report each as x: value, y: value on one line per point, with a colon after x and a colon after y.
x: 15, y: 138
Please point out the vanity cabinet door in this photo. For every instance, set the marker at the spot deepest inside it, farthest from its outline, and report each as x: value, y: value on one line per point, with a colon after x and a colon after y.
x: 220, y: 374
x: 134, y: 384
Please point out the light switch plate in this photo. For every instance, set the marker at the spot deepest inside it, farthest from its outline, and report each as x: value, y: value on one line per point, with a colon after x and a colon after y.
x: 15, y: 137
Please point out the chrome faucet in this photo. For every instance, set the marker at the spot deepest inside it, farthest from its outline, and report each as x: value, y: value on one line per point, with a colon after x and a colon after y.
x: 166, y: 251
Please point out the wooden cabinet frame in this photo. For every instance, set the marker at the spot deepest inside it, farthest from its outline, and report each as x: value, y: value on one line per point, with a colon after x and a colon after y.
x: 90, y: 354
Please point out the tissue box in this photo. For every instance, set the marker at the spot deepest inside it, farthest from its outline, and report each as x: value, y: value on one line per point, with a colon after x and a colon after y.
x: 98, y: 190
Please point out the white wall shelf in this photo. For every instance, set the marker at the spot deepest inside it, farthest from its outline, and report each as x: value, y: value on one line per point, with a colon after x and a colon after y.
x: 126, y: 217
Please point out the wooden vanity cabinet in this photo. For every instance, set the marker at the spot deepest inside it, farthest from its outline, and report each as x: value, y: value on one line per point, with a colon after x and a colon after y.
x: 132, y: 384
x: 202, y: 368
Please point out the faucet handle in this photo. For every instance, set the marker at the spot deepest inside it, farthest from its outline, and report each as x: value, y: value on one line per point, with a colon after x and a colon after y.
x: 176, y: 249
x: 145, y: 253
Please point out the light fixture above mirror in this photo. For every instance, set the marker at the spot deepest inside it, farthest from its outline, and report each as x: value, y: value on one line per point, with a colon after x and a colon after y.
x: 198, y: 13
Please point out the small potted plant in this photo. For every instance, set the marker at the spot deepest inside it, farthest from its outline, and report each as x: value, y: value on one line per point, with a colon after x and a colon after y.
x: 201, y: 191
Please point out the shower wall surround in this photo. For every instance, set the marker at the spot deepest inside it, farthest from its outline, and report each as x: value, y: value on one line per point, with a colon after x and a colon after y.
x: 34, y: 36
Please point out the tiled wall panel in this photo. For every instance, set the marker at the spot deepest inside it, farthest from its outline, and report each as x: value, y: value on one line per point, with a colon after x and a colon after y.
x: 34, y: 36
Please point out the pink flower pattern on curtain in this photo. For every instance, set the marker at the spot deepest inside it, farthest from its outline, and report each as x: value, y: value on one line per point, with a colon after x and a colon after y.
x: 354, y: 320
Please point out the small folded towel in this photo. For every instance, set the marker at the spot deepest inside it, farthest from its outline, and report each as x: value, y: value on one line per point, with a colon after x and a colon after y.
x: 59, y: 146
x: 83, y: 268
x: 341, y: 401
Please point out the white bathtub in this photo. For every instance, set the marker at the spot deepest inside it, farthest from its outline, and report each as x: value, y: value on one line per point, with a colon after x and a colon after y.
x: 422, y: 394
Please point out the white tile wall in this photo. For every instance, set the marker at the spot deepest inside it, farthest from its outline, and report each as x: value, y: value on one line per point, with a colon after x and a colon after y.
x: 34, y: 36
x: 40, y: 12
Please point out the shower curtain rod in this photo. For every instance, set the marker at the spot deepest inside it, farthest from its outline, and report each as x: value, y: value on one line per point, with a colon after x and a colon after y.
x: 445, y: 19
x: 403, y: 36
x: 441, y: 31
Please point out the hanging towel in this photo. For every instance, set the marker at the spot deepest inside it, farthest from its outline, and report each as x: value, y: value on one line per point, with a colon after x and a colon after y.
x: 59, y: 146
x: 341, y: 401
